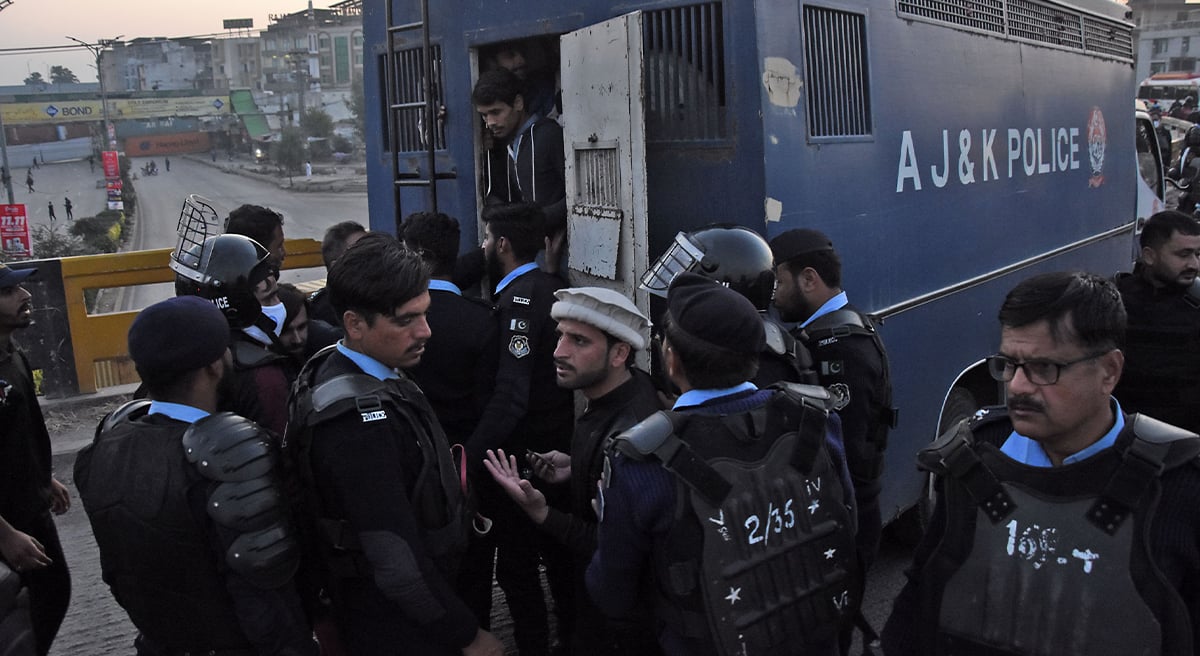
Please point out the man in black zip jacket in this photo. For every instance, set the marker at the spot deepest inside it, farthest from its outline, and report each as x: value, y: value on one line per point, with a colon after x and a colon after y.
x: 1162, y: 342
x: 525, y: 162
x: 599, y: 333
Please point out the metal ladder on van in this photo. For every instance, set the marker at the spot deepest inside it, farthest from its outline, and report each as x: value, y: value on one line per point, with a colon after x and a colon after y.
x: 429, y: 177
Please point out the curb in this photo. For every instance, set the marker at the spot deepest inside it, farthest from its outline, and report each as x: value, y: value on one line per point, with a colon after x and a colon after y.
x: 303, y: 185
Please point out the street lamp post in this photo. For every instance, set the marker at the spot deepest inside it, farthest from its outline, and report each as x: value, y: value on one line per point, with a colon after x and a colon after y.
x: 97, y: 49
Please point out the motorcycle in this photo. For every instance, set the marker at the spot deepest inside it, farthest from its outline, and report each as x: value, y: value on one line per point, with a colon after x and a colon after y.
x: 1185, y: 176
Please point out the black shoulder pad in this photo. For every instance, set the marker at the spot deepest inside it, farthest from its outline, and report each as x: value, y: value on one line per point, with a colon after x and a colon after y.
x: 343, y: 388
x: 127, y: 412
x: 811, y: 395
x: 775, y: 336
x: 937, y: 456
x: 988, y: 415
x: 1184, y: 444
x: 249, y: 356
x: 647, y: 436
x: 228, y: 448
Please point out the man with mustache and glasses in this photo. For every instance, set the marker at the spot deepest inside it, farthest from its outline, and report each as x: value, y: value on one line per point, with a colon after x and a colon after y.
x: 381, y: 489
x: 1162, y: 342
x: 1062, y: 524
x: 28, y: 490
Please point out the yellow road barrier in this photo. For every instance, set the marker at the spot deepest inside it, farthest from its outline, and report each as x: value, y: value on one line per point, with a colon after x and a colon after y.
x: 99, y: 340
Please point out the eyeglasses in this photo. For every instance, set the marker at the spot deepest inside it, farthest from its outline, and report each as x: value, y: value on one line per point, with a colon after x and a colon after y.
x: 1039, y: 372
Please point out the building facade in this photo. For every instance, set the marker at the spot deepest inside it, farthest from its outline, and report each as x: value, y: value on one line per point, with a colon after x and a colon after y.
x: 1168, y: 37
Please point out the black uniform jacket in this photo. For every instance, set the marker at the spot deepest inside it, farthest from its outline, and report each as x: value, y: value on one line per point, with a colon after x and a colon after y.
x: 365, y: 470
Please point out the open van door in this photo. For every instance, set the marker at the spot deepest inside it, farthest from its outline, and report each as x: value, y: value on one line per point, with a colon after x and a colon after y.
x: 604, y: 134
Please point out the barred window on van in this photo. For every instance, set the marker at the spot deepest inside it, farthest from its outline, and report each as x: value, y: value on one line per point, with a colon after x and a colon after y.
x: 838, y: 98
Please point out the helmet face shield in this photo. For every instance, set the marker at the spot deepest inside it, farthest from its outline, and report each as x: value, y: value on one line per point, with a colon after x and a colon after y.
x: 198, y: 220
x: 732, y: 255
x: 683, y: 255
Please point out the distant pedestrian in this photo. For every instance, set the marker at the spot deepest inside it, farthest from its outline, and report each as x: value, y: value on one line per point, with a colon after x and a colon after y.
x: 167, y: 163
x: 29, y: 180
x: 92, y: 163
x: 67, y: 204
x: 213, y: 152
x: 35, y: 163
x: 308, y: 169
x: 50, y: 206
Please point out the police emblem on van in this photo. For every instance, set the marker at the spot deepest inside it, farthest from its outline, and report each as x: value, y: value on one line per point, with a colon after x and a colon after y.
x: 1097, y: 139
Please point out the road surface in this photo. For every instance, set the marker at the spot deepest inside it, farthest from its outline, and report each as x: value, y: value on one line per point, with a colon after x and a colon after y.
x: 161, y: 196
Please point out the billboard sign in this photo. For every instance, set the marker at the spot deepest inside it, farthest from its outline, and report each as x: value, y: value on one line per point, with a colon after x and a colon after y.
x: 15, y: 240
x: 238, y: 23
x: 118, y: 109
x: 112, y: 164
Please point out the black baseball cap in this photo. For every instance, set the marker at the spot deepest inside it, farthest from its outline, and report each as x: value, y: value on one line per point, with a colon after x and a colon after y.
x: 794, y: 243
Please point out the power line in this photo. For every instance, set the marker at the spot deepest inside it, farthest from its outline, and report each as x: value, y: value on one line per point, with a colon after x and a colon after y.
x: 33, y: 49
x: 71, y: 47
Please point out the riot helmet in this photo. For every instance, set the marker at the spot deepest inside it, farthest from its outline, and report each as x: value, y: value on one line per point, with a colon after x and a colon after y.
x: 225, y: 270
x: 732, y: 255
x: 1192, y: 138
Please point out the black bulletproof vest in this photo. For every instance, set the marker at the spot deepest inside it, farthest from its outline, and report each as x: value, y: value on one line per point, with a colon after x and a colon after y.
x: 761, y: 556
x: 155, y: 556
x: 438, y: 499
x: 1053, y: 561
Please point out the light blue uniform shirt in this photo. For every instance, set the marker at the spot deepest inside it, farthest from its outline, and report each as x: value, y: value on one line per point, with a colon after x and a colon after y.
x: 444, y: 286
x: 1029, y: 452
x: 697, y: 397
x: 368, y: 364
x: 179, y: 411
x: 836, y: 303
x: 514, y: 274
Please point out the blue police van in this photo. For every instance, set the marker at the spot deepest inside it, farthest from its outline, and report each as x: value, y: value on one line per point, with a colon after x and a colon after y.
x: 949, y: 149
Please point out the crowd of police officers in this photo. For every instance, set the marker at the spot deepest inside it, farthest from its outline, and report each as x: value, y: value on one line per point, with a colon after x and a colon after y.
x: 703, y: 510
x: 351, y: 473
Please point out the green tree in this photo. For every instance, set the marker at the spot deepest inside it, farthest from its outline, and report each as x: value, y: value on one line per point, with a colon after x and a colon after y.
x: 357, y: 106
x: 62, y: 75
x: 35, y: 78
x: 316, y: 122
x: 289, y: 152
x: 49, y: 242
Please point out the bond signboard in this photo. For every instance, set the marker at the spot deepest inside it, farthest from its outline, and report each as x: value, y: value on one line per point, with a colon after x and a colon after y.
x: 14, y: 232
x: 118, y: 109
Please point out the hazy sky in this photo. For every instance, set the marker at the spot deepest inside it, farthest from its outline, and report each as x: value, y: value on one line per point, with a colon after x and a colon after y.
x: 27, y: 23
